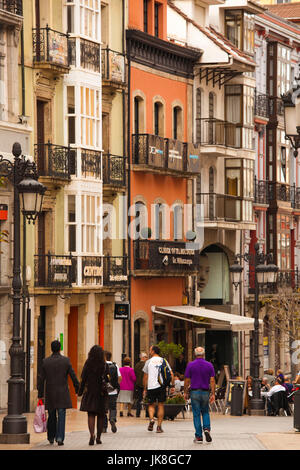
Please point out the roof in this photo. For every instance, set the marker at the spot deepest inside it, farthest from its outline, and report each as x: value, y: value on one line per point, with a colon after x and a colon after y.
x: 217, y: 38
x: 290, y: 11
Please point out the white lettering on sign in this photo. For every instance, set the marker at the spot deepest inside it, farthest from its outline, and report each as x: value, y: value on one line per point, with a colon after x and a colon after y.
x: 165, y: 250
x: 174, y: 154
x: 118, y: 277
x: 92, y: 271
x: 61, y: 262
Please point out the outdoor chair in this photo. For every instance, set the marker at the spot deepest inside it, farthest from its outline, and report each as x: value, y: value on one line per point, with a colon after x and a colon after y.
x: 279, y: 401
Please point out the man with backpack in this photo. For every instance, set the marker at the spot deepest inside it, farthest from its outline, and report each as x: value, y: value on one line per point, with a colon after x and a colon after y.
x: 115, y: 379
x: 158, y: 376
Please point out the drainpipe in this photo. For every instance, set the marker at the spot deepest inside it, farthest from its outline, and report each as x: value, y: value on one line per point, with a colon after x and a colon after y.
x: 129, y: 192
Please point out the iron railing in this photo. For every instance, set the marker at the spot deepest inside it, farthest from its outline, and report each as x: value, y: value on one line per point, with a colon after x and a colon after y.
x: 276, y: 106
x: 91, y: 163
x: 114, y: 170
x: 53, y: 160
x: 295, y: 197
x: 165, y: 256
x: 12, y: 6
x: 212, y: 131
x: 115, y: 270
x: 286, y: 279
x: 113, y: 65
x: 261, y: 105
x: 50, y: 46
x: 261, y: 191
x: 221, y: 207
x: 92, y: 270
x: 148, y: 149
x: 53, y: 270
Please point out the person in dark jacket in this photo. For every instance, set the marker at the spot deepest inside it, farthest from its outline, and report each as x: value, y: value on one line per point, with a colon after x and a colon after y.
x: 53, y: 385
x: 139, y: 385
x: 93, y: 389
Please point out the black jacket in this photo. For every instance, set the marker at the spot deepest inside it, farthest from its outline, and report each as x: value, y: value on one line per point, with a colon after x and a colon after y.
x: 53, y: 382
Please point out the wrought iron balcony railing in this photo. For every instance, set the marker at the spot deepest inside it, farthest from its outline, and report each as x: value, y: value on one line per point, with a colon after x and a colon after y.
x: 165, y: 154
x: 91, y: 270
x: 165, y: 256
x: 113, y: 65
x: 91, y: 163
x: 279, y: 191
x: 53, y: 160
x: 212, y: 131
x: 50, y: 47
x: 115, y: 270
x: 261, y: 191
x: 53, y: 270
x: 295, y: 197
x: 276, y: 106
x: 222, y: 207
x: 12, y: 6
x: 89, y: 54
x: 114, y: 170
x: 286, y: 279
x: 261, y: 105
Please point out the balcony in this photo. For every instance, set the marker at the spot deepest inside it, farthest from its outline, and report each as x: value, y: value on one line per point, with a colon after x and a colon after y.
x: 11, y: 12
x: 287, y: 279
x: 276, y: 107
x: 91, y: 164
x: 89, y: 57
x: 53, y: 271
x: 53, y: 163
x: 164, y: 258
x: 165, y: 156
x: 279, y: 192
x: 115, y: 271
x: 218, y: 137
x: 113, y: 68
x: 261, y: 105
x: 50, y: 50
x: 12, y: 6
x: 222, y: 207
x: 114, y: 172
x: 261, y: 192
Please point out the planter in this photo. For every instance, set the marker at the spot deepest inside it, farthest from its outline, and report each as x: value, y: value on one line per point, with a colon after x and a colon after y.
x: 171, y: 410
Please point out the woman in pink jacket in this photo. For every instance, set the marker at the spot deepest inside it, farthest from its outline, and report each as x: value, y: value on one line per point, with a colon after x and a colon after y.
x: 126, y: 386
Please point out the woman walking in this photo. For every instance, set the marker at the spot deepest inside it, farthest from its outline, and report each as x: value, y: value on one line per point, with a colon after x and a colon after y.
x: 94, y: 391
x: 126, y: 386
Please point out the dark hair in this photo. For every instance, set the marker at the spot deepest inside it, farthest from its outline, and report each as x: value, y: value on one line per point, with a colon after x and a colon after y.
x: 156, y: 350
x: 95, y: 361
x: 55, y: 346
x: 108, y: 355
x: 127, y: 361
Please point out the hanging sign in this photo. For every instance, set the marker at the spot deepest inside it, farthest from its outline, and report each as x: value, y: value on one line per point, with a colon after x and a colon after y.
x: 122, y: 311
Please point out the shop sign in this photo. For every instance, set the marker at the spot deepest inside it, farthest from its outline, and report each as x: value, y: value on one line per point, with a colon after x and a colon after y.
x: 118, y: 277
x: 92, y: 271
x: 173, y: 257
x: 122, y: 311
x: 61, y: 262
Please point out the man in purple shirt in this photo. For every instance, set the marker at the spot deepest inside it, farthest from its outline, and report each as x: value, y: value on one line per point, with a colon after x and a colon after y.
x: 200, y: 377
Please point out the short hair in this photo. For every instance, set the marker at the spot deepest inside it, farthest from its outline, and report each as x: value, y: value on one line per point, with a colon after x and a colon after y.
x: 127, y: 361
x: 155, y: 349
x: 55, y: 346
x: 108, y: 355
x: 199, y: 351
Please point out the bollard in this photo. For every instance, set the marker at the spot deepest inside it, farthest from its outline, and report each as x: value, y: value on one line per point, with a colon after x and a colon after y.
x: 297, y: 410
x: 237, y: 395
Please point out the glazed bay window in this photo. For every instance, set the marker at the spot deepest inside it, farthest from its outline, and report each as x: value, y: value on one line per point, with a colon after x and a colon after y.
x: 283, y: 164
x: 283, y: 69
x: 239, y: 105
x: 71, y: 223
x: 90, y: 16
x: 283, y: 241
x: 239, y: 187
x: 90, y: 224
x: 239, y: 29
x: 90, y: 117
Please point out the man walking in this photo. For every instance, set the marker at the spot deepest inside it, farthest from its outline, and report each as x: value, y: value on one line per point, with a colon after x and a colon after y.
x: 53, y: 385
x: 200, y: 376
x: 139, y: 385
x: 115, y: 379
x: 153, y: 388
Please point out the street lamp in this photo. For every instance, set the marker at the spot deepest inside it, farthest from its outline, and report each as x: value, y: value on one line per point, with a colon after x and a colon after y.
x: 263, y: 274
x: 23, y: 176
x: 291, y: 103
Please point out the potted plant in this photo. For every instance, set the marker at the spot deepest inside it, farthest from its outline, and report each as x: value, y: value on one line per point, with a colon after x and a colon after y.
x: 170, y: 351
x: 173, y: 406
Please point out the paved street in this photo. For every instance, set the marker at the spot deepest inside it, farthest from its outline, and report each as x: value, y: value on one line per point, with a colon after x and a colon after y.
x: 228, y: 432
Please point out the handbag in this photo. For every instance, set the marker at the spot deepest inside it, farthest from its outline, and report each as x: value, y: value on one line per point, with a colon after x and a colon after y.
x: 39, y: 421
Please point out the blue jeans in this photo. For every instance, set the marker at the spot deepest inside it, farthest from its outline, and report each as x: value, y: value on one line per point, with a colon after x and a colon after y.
x: 56, y: 424
x: 200, y: 406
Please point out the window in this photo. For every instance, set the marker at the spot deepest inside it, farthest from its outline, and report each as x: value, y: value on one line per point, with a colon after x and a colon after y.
x: 177, y: 123
x: 90, y: 117
x: 239, y: 29
x: 136, y: 115
x: 71, y: 116
x: 90, y: 19
x: 283, y: 69
x: 90, y: 224
x: 177, y: 222
x: 158, y: 119
x: 239, y: 103
x: 71, y: 224
x: 283, y: 175
x: 199, y: 104
x: 283, y: 241
x: 157, y: 19
x: 70, y: 17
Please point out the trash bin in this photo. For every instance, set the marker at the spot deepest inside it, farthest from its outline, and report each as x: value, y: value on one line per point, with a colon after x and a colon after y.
x: 237, y: 395
x: 297, y: 410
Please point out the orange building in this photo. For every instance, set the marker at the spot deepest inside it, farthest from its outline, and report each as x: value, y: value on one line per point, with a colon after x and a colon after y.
x: 162, y: 168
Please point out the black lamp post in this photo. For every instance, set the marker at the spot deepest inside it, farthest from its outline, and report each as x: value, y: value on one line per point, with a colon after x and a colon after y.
x: 23, y: 176
x: 291, y: 103
x: 263, y: 274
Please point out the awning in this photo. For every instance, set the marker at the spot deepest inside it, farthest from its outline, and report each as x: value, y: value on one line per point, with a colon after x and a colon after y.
x: 215, y: 319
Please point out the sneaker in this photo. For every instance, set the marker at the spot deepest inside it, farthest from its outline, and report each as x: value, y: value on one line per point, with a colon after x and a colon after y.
x: 113, y: 427
x: 198, y: 440
x: 151, y: 425
x: 159, y: 429
x: 207, y: 435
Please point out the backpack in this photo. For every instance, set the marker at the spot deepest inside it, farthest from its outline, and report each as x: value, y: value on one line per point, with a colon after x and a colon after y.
x: 164, y: 374
x: 113, y: 376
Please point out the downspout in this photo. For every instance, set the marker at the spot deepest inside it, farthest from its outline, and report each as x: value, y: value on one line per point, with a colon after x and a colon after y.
x: 129, y: 192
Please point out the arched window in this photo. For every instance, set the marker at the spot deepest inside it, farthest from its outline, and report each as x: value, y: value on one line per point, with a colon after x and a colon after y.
x: 211, y: 112
x: 177, y: 123
x: 159, y: 119
x: 177, y: 222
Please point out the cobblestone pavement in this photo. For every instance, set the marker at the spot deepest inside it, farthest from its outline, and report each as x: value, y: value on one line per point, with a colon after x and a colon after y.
x: 228, y: 433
